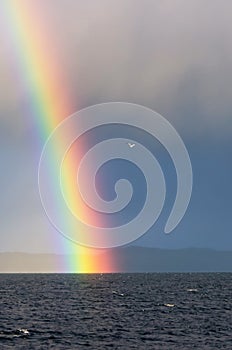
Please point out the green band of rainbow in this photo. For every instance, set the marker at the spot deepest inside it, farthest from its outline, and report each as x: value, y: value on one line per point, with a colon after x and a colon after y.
x: 49, y: 102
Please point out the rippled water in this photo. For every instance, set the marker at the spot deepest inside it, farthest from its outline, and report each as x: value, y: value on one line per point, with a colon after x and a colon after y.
x: 116, y: 311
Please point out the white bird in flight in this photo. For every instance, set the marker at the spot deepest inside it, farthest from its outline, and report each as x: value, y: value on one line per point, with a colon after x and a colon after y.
x: 131, y: 145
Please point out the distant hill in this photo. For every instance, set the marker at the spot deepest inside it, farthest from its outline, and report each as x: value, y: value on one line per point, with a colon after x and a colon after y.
x: 127, y: 259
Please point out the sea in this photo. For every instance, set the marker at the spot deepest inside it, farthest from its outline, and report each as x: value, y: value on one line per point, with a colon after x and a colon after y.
x: 116, y: 311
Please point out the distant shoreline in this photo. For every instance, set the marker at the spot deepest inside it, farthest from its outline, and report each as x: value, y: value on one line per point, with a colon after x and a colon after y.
x: 126, y: 259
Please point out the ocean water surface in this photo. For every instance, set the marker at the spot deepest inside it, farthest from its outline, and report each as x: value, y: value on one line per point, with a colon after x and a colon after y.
x: 116, y: 311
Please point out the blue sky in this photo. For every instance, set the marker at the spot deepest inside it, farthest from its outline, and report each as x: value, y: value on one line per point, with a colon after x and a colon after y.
x: 171, y: 56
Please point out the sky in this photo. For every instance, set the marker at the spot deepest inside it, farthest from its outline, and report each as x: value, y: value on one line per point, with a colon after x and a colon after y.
x: 173, y: 56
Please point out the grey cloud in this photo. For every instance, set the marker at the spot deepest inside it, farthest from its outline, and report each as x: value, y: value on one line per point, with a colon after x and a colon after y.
x: 173, y: 56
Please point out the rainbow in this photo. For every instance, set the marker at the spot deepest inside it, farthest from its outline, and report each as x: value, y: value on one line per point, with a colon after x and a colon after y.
x: 49, y: 102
